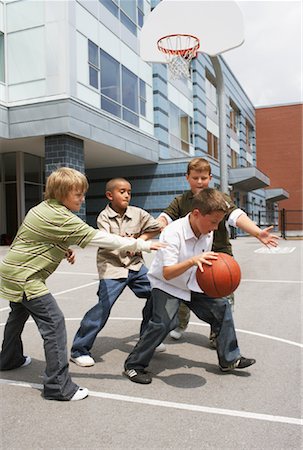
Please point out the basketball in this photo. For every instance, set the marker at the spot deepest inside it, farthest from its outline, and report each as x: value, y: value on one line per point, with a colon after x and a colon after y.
x: 220, y: 279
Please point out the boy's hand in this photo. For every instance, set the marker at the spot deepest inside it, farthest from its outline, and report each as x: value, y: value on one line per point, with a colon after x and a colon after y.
x: 162, y: 222
x: 70, y: 255
x: 268, y: 239
x: 204, y: 258
x: 155, y: 245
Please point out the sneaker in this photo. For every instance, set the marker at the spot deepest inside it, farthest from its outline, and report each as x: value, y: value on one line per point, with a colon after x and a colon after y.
x: 27, y: 361
x: 213, y: 340
x: 176, y: 333
x: 83, y: 361
x: 241, y: 363
x: 161, y: 348
x: 138, y: 376
x: 80, y: 394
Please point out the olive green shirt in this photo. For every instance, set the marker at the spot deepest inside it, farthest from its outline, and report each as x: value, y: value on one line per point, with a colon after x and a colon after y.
x: 182, y: 205
x: 38, y: 248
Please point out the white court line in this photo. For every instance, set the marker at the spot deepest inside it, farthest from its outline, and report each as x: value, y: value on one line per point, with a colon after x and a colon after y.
x: 252, y: 333
x: 95, y: 274
x: 245, y: 280
x: 270, y: 281
x: 175, y: 405
x: 62, y: 292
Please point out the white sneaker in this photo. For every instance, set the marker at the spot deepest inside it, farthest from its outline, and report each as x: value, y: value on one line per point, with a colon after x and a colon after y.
x: 161, y: 348
x: 176, y: 333
x: 83, y: 361
x: 80, y: 394
x: 27, y: 361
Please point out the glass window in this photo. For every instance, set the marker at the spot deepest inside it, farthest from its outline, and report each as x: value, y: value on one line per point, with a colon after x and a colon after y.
x: 2, y: 71
x: 93, y: 54
x: 234, y: 159
x: 249, y: 137
x: 112, y: 6
x: 32, y: 195
x: 212, y: 145
x: 184, y: 132
x: 211, y: 95
x: 93, y: 61
x: 128, y: 23
x: 9, y: 163
x: 110, y: 106
x: 179, y: 128
x: 93, y: 77
x: 140, y: 13
x: 11, y: 209
x: 110, y: 76
x: 234, y: 117
x: 142, y: 94
x: 130, y: 117
x: 129, y: 89
x: 32, y: 168
x: 140, y: 18
x: 129, y: 7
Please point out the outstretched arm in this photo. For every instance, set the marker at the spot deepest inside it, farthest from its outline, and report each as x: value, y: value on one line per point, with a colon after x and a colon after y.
x: 264, y: 236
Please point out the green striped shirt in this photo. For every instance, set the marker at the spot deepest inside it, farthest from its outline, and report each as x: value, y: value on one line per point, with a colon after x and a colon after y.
x: 38, y: 248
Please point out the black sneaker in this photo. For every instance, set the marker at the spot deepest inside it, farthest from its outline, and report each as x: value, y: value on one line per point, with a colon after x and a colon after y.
x: 138, y: 376
x: 241, y: 363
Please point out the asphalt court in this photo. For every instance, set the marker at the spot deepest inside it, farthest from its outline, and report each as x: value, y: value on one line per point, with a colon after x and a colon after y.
x: 189, y: 403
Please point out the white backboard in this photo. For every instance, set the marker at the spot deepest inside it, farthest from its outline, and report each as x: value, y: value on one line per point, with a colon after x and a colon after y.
x: 218, y: 25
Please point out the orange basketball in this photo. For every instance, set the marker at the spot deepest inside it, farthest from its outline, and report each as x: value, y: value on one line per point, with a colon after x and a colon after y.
x: 220, y: 279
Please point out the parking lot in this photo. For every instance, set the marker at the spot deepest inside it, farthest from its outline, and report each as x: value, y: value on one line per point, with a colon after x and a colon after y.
x: 190, y: 403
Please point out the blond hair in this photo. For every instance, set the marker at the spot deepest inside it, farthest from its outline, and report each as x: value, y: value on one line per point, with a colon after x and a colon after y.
x: 210, y: 200
x: 199, y: 164
x: 62, y: 181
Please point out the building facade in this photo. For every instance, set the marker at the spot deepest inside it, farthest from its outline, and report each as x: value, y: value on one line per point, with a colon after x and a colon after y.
x: 74, y: 91
x: 280, y: 144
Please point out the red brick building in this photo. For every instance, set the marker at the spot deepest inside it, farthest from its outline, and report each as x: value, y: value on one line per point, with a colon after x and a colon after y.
x: 279, y: 154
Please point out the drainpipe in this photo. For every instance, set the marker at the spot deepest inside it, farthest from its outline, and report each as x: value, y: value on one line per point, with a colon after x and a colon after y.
x: 222, y: 124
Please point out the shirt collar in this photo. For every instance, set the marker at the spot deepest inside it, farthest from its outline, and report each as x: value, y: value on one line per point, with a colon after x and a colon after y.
x: 112, y: 213
x: 188, y: 231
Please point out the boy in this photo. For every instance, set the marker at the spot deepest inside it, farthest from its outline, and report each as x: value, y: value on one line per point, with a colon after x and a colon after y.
x: 116, y: 269
x: 173, y: 279
x: 199, y: 176
x: 41, y: 243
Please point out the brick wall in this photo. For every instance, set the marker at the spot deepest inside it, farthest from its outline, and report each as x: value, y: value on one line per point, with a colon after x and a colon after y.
x: 279, y: 150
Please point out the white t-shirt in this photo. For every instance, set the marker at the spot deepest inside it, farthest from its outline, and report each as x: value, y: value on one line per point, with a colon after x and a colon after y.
x: 182, y: 244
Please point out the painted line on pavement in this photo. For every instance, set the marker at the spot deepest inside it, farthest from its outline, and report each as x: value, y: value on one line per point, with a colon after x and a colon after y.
x: 174, y: 405
x: 252, y: 333
x: 63, y: 292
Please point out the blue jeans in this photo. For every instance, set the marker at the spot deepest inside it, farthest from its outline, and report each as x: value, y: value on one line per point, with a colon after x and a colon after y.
x: 216, y: 312
x: 95, y: 319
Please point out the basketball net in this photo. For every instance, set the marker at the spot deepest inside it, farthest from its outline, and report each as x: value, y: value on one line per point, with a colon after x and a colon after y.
x: 179, y: 51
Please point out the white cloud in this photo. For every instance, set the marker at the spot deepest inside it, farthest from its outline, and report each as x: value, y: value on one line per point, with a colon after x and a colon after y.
x: 269, y: 63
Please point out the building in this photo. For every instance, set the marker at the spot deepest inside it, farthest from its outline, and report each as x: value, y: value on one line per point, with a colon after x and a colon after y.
x: 74, y: 91
x: 280, y: 145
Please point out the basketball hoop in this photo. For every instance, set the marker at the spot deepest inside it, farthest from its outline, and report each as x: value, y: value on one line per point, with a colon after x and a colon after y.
x: 179, y: 50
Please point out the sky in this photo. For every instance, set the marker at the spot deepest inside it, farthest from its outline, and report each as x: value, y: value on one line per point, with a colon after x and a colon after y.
x: 268, y: 64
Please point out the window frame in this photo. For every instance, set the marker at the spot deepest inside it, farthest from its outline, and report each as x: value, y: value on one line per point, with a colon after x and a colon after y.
x: 180, y: 141
x: 116, y: 105
x: 131, y: 23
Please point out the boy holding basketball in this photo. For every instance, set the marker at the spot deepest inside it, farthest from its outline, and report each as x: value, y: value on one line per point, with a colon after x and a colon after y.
x: 199, y: 176
x: 173, y: 280
x: 41, y: 243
